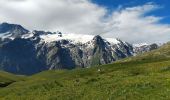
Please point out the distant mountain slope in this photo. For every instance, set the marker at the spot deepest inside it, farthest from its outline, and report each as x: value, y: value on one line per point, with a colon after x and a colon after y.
x: 159, y: 54
x: 139, y: 49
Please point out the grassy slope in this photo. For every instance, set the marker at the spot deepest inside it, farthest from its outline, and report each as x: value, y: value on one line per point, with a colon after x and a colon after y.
x: 143, y: 77
x: 7, y: 78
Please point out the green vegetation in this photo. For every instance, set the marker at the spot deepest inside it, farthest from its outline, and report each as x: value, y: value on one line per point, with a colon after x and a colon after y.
x: 144, y: 77
x: 7, y: 79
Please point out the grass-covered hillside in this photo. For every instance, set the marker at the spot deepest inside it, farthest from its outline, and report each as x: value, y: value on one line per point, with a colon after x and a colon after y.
x: 144, y: 77
x: 7, y: 79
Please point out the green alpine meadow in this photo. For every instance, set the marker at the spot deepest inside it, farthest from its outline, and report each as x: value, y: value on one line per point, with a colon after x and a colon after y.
x: 84, y: 50
x: 143, y: 77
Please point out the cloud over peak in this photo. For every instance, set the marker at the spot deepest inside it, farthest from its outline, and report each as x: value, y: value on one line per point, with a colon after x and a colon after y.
x: 131, y: 24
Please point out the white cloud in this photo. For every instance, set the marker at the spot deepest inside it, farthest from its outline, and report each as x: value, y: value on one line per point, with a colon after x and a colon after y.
x: 84, y: 17
x: 131, y: 24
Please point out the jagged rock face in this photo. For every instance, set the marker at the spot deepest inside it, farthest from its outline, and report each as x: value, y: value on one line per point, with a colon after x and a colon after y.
x: 63, y: 54
x: 19, y: 56
x: 103, y: 52
x: 32, y: 54
x: 54, y: 56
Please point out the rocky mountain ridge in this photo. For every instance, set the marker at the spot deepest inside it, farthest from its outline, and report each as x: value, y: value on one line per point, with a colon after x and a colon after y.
x: 25, y: 52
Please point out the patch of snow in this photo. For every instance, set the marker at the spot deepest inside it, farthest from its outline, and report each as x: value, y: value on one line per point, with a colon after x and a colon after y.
x: 6, y: 35
x: 3, y: 35
x: 29, y: 35
x: 140, y: 44
x: 77, y: 38
x: 112, y: 40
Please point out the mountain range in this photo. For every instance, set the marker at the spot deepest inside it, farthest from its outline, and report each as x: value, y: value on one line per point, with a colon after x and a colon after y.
x: 28, y: 52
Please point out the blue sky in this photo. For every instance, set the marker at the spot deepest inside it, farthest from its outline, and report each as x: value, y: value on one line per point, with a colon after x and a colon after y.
x: 164, y: 11
x: 134, y: 21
